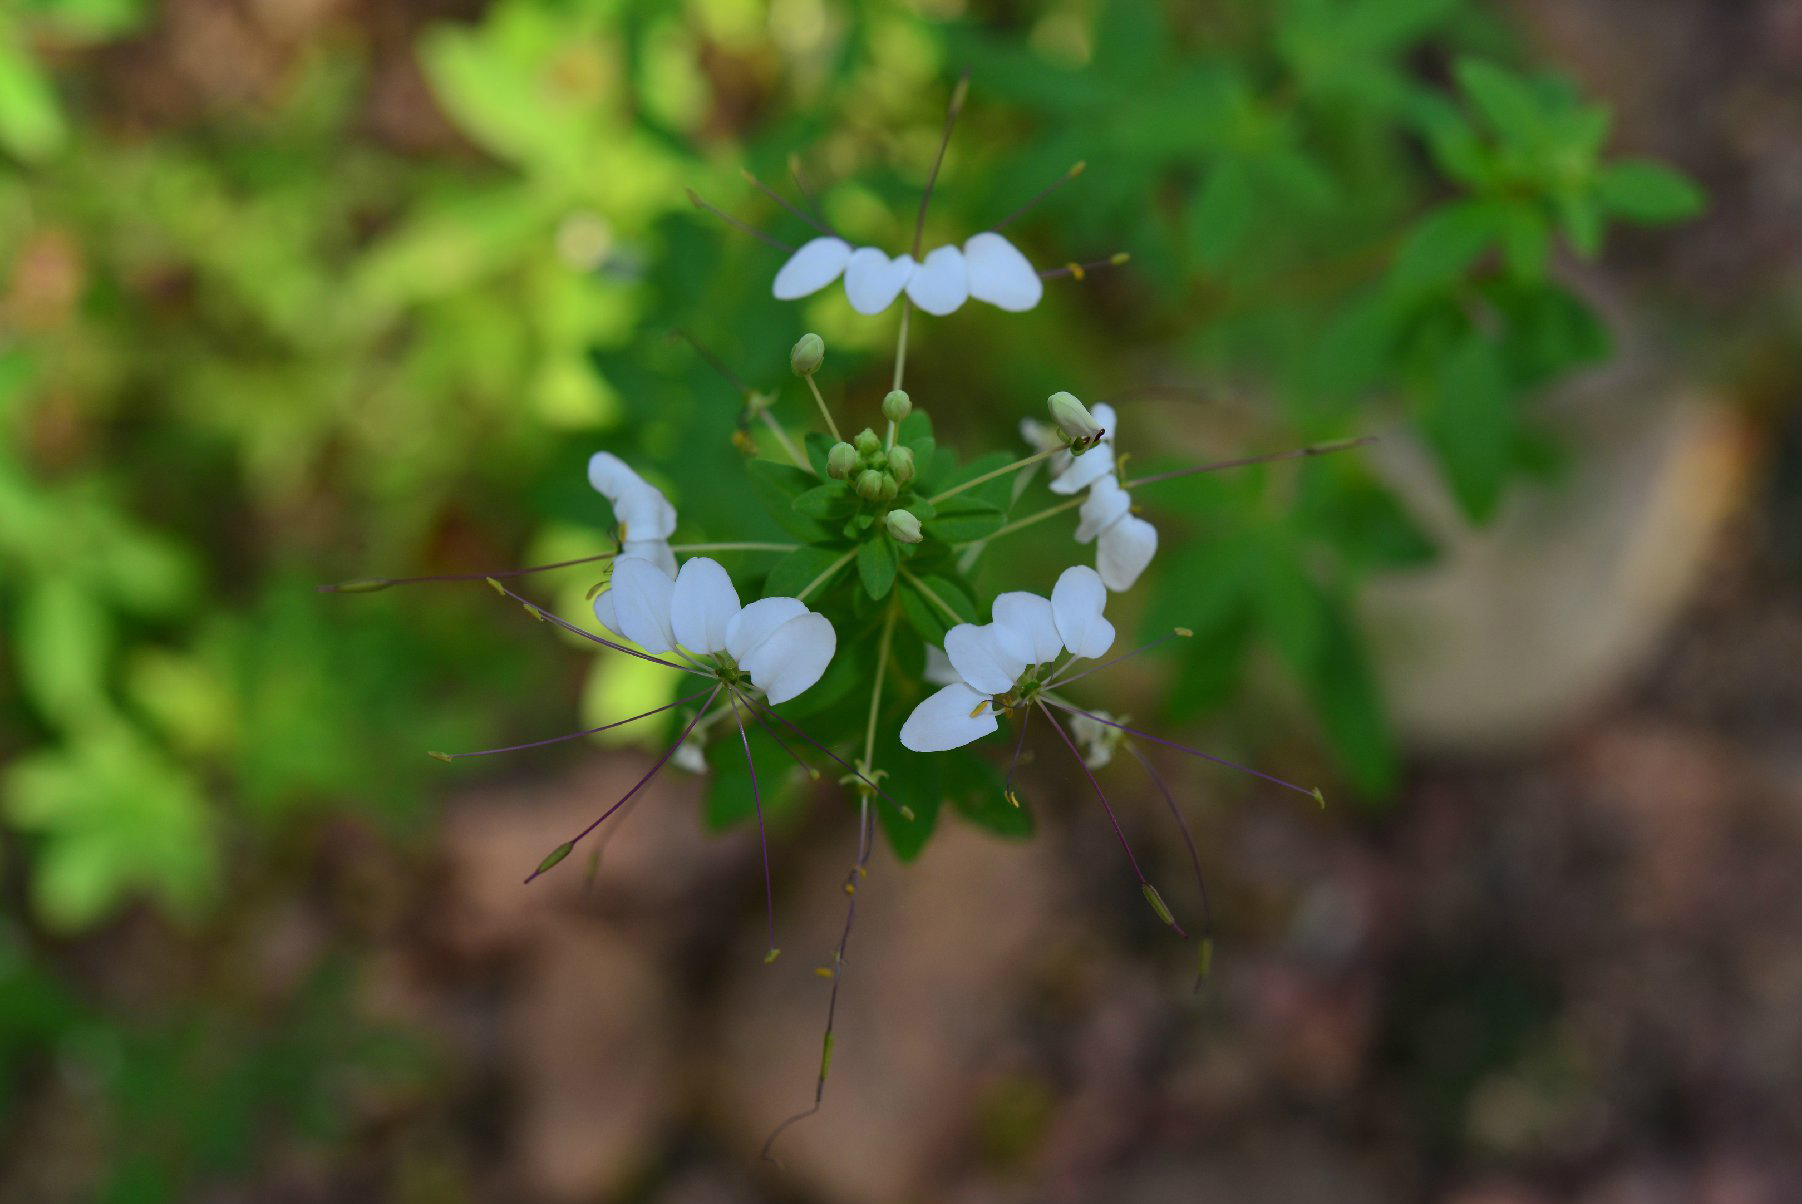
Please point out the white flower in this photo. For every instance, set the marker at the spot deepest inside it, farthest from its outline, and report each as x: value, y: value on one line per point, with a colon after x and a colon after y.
x: 1098, y: 737
x: 988, y: 268
x: 781, y: 645
x: 643, y: 515
x: 990, y: 660
x: 1124, y: 542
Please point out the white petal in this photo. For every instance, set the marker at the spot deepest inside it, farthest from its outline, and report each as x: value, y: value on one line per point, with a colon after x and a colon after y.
x: 1106, y: 505
x: 999, y: 274
x: 1076, y: 602
x: 1124, y: 551
x: 949, y: 719
x: 812, y: 268
x: 1040, y: 436
x: 1084, y: 470
x: 654, y: 550
x: 792, y: 657
x: 701, y: 605
x: 938, y: 667
x: 604, y: 611
x: 980, y: 659
x: 1026, y: 627
x: 940, y: 284
x: 873, y: 280
x: 610, y: 475
x: 637, y: 505
x: 641, y: 598
x: 753, y: 625
x: 1105, y: 418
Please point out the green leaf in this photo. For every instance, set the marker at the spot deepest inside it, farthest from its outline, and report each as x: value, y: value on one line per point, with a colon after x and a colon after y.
x: 777, y: 486
x: 818, y: 446
x: 995, y: 492
x: 913, y: 784
x: 1582, y: 219
x: 974, y: 786
x: 1506, y: 101
x: 876, y: 565
x: 1470, y: 424
x: 64, y: 640
x: 1643, y: 191
x: 1526, y: 240
x: 1445, y: 243
x: 799, y: 569
x: 730, y: 799
x: 963, y: 519
x: 1351, y: 709
x: 926, y: 616
x: 1289, y: 606
x: 824, y: 501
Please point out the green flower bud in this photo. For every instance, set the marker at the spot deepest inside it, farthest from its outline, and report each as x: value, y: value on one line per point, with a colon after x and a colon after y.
x: 808, y: 354
x: 897, y: 405
x: 868, y: 442
x: 901, y: 463
x: 889, y: 488
x: 841, y: 461
x: 1075, y: 421
x: 904, y: 527
x: 869, y: 484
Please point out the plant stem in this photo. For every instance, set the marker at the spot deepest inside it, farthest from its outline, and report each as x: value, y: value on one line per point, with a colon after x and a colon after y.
x: 1320, y: 449
x: 733, y: 547
x: 907, y: 308
x: 788, y: 445
x: 824, y: 412
x: 933, y: 598
x: 1030, y: 519
x: 826, y: 573
x: 986, y: 477
x: 888, y: 632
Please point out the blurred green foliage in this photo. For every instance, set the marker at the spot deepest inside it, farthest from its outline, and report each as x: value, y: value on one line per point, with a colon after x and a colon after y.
x: 253, y: 342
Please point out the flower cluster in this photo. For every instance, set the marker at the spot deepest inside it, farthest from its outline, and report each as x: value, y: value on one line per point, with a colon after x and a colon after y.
x: 887, y: 528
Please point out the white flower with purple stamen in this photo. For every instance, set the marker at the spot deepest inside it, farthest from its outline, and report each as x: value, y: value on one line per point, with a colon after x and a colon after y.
x: 1124, y: 542
x: 643, y: 519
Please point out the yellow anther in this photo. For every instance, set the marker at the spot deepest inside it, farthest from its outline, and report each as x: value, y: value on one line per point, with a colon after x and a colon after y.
x: 823, y: 971
x: 1185, y: 633
x: 1076, y: 271
x: 1118, y: 258
x: 1012, y: 797
x: 980, y: 707
x: 850, y: 888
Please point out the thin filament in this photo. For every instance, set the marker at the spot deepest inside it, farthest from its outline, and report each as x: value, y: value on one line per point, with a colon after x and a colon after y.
x: 813, y: 206
x: 712, y: 361
x: 1007, y: 785
x: 372, y: 584
x: 840, y: 761
x: 1184, y: 748
x: 1145, y: 647
x: 642, y: 782
x: 695, y: 200
x: 489, y: 752
x: 1201, y: 886
x: 1296, y: 453
x: 763, y: 840
x: 856, y: 874
x: 1106, y: 806
x: 1075, y: 170
x: 548, y: 617
x: 784, y: 202
x: 1079, y: 270
x: 952, y: 109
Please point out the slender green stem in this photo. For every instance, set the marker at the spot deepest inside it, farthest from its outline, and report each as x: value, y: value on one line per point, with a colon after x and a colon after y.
x: 733, y: 547
x: 788, y: 445
x: 986, y: 477
x: 907, y: 308
x: 824, y: 412
x: 1040, y: 516
x: 825, y: 574
x: 926, y: 592
x: 888, y: 632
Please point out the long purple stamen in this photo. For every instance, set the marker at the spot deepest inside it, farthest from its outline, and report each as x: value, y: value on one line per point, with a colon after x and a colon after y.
x: 813, y: 206
x: 1201, y: 886
x: 373, y: 584
x: 1179, y: 634
x: 905, y: 811
x: 562, y: 850
x: 955, y: 106
x: 857, y: 872
x: 540, y: 612
x: 489, y: 752
x: 771, y: 732
x: 695, y: 200
x: 763, y: 840
x: 1079, y: 270
x: 1144, y: 883
x: 784, y: 202
x: 1007, y: 785
x: 1193, y: 752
